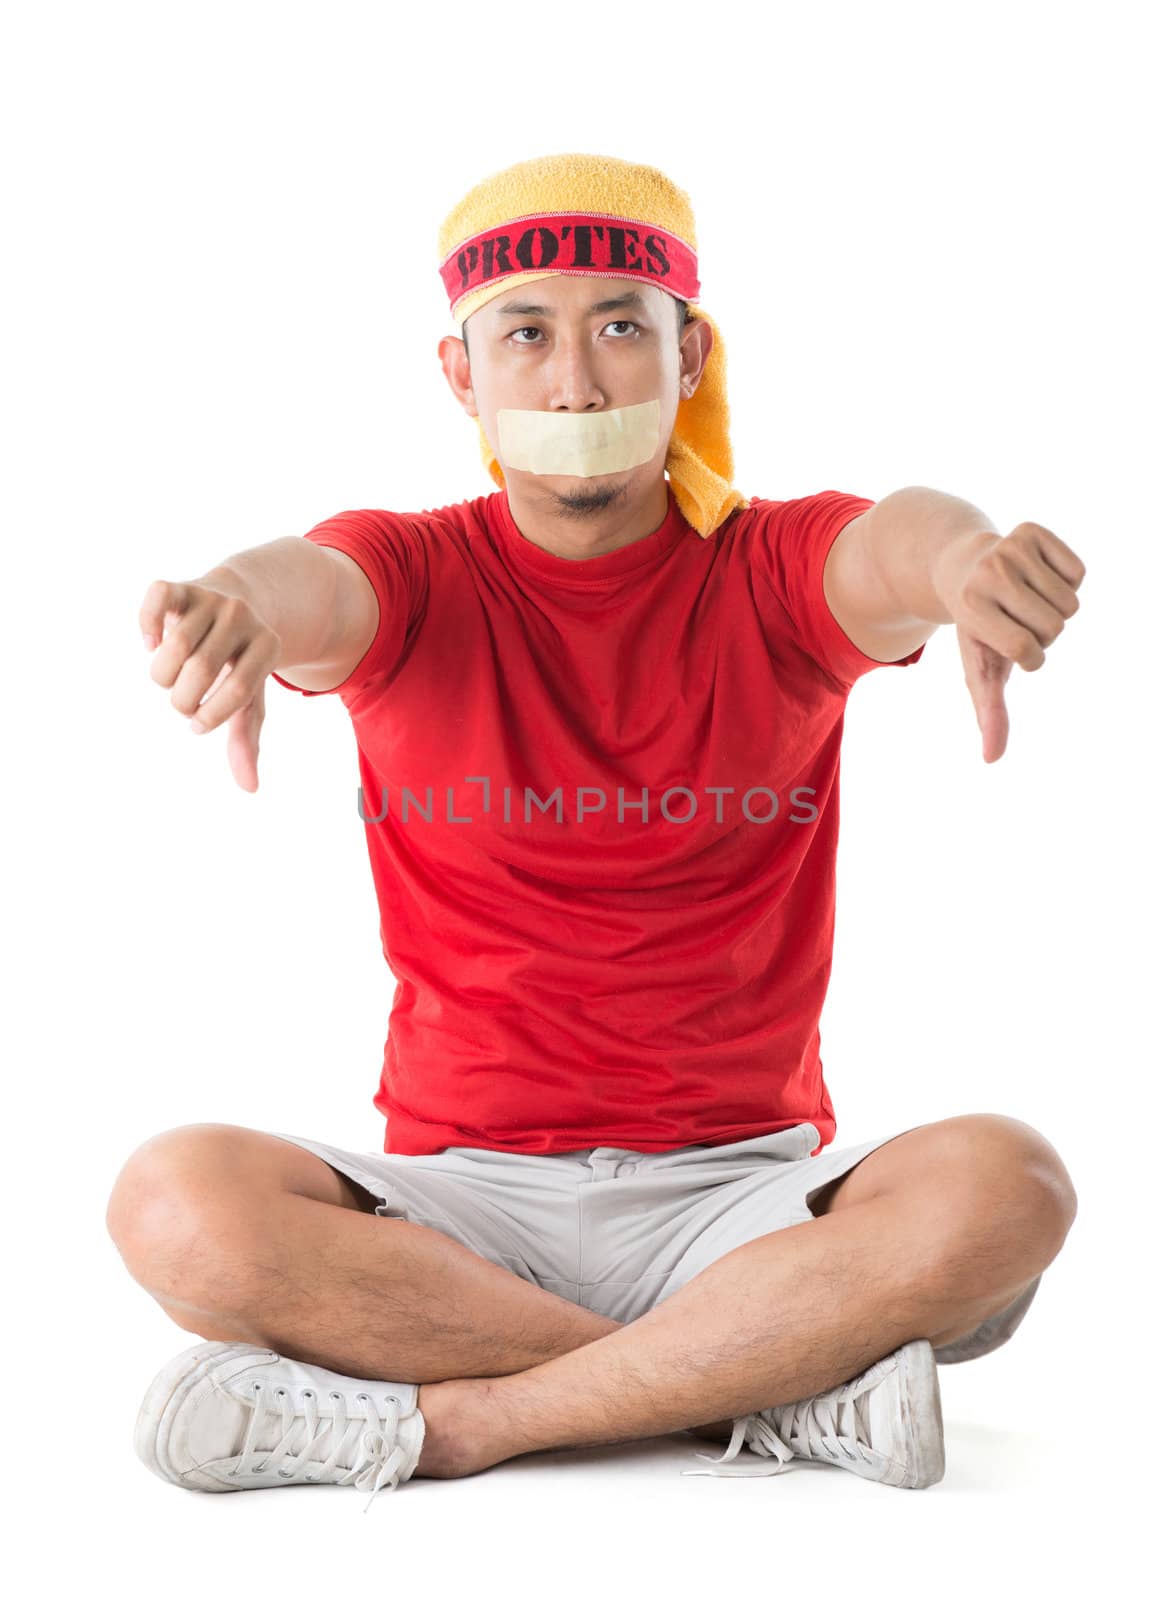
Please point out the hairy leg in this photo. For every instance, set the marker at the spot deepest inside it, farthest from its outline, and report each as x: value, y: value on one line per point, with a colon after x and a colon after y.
x: 792, y: 1313
x: 240, y: 1235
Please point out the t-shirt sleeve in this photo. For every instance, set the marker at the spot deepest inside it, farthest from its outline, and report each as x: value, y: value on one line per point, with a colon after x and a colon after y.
x: 789, y: 551
x: 391, y: 551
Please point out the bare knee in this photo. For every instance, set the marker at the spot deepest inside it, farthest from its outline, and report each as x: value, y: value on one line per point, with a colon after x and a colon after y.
x: 180, y: 1159
x: 177, y: 1201
x: 1020, y: 1148
x: 1014, y: 1177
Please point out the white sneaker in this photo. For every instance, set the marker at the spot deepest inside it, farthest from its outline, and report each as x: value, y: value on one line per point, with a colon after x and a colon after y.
x: 885, y: 1425
x: 236, y: 1416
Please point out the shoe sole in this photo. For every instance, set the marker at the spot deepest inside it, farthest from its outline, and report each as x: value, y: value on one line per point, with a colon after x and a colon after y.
x: 920, y: 1410
x: 164, y: 1400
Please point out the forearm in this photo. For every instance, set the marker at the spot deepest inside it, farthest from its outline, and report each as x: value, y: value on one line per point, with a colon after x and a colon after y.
x: 292, y: 584
x: 920, y: 537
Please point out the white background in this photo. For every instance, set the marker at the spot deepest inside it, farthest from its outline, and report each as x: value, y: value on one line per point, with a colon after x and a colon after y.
x: 930, y: 235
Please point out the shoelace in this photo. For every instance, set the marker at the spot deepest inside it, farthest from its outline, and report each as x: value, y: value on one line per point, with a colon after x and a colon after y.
x: 380, y: 1459
x: 820, y: 1428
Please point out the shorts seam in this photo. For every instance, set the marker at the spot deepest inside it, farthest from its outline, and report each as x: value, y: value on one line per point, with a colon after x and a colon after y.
x: 625, y: 1283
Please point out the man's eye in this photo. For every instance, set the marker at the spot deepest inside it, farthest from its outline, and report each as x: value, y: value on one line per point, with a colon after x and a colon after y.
x: 620, y: 322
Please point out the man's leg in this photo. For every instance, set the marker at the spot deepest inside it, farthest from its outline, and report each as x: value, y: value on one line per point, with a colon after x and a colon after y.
x: 240, y: 1235
x: 966, y: 1216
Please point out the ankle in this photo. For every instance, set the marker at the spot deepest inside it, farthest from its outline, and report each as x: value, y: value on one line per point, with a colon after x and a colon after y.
x: 454, y: 1444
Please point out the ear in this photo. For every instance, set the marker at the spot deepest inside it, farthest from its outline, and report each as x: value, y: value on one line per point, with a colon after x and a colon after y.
x: 697, y: 341
x: 456, y: 366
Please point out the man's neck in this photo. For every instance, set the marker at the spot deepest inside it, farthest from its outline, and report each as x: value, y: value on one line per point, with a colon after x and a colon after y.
x: 580, y: 530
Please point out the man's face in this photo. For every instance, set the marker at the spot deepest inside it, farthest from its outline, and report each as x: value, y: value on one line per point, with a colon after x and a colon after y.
x: 582, y: 345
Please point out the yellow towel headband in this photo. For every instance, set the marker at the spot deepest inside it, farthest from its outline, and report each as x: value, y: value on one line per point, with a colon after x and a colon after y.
x: 609, y: 218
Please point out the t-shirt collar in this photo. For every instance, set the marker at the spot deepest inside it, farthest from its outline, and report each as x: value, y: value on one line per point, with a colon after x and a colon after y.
x: 615, y: 564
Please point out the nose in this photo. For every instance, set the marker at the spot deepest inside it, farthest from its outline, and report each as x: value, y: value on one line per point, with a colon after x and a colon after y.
x: 575, y: 385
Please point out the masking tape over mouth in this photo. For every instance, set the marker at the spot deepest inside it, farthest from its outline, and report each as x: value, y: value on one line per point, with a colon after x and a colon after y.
x: 579, y: 444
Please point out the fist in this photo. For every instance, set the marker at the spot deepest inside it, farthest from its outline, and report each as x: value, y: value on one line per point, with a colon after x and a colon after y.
x: 212, y: 651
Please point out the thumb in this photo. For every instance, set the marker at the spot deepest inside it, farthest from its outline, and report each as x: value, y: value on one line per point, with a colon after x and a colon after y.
x: 986, y: 671
x: 243, y: 742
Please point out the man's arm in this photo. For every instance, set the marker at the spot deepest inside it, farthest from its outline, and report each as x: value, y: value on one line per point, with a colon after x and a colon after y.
x: 316, y: 599
x: 881, y: 576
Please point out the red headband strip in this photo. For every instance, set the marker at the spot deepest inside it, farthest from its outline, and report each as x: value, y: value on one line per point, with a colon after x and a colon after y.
x: 586, y: 243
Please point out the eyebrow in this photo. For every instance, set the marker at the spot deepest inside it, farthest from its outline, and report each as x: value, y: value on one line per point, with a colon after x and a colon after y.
x: 515, y: 308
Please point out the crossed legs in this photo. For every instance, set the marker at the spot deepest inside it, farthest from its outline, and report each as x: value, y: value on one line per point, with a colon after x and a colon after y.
x: 242, y: 1236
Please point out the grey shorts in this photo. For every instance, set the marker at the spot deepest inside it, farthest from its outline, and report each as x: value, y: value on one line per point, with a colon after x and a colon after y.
x: 619, y: 1231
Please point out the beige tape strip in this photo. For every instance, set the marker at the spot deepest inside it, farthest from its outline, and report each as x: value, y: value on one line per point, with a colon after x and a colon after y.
x: 579, y: 444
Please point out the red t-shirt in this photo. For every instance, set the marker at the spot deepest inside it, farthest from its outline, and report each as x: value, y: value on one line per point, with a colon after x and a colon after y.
x: 601, y: 810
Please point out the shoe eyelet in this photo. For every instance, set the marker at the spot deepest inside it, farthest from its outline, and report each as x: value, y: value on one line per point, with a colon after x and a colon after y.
x: 335, y: 1394
x: 280, y: 1391
x: 257, y: 1469
x: 280, y: 1474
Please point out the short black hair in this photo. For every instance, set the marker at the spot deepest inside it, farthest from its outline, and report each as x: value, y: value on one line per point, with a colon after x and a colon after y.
x: 684, y: 317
